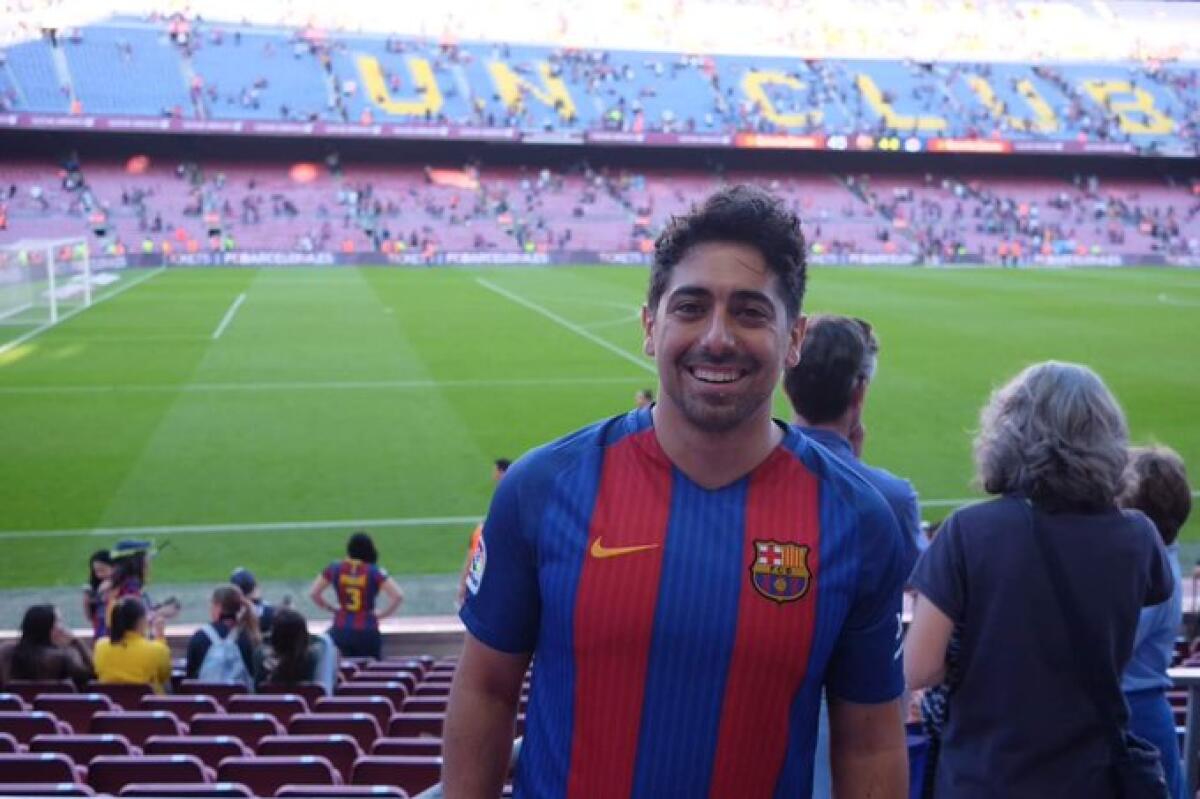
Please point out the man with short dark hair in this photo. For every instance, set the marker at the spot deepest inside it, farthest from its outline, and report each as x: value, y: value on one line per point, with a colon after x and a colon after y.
x: 688, y: 576
x: 828, y: 391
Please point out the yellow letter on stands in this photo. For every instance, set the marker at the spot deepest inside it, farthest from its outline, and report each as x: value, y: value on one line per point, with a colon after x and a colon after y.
x: 754, y: 87
x: 1044, y: 120
x: 1147, y: 119
x: 874, y: 97
x: 429, y: 100
x: 553, y: 92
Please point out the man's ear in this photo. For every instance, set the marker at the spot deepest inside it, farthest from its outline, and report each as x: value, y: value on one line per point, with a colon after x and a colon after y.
x: 648, y: 330
x: 795, y: 339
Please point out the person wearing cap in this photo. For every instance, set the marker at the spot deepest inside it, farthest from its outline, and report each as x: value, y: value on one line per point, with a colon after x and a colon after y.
x: 244, y: 579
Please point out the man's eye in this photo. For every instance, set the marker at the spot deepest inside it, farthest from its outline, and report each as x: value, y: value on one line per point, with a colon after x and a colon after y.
x: 688, y: 308
x: 753, y: 314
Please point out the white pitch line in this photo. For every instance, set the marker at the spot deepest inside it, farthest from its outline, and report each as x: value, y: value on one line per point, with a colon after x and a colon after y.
x: 16, y: 310
x: 339, y: 385
x: 1166, y: 299
x: 228, y: 317
x: 567, y: 323
x: 252, y: 527
x: 43, y: 328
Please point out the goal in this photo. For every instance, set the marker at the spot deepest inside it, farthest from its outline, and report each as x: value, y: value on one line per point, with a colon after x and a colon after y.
x: 41, y: 282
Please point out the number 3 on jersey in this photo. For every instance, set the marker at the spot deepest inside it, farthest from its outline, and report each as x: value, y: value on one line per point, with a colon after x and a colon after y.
x: 353, y: 598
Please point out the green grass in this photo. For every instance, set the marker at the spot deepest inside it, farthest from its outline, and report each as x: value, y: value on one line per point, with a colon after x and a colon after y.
x: 340, y: 394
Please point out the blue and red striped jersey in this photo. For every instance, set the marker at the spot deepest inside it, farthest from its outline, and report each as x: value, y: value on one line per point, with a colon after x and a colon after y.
x: 682, y: 635
x: 357, y: 585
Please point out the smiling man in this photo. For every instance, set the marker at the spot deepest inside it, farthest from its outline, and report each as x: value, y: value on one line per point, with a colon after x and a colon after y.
x: 688, y: 576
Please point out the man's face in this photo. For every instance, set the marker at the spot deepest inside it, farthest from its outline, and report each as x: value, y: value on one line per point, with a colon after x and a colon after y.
x: 721, y: 336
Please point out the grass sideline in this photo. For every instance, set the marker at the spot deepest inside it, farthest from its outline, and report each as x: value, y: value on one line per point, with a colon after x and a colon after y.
x: 350, y: 394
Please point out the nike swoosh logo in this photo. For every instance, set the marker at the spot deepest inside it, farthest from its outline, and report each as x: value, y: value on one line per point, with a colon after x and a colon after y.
x: 601, y: 551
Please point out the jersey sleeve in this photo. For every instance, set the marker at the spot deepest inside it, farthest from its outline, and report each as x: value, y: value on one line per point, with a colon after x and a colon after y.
x: 865, y: 666
x: 379, y: 576
x: 330, y: 573
x: 502, y: 607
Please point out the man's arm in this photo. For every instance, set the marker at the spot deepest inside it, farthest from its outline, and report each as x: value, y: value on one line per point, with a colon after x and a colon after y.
x: 868, y: 753
x: 925, y: 645
x: 481, y: 721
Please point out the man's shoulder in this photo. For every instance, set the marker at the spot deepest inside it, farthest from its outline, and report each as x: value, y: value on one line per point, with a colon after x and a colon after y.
x: 842, y: 479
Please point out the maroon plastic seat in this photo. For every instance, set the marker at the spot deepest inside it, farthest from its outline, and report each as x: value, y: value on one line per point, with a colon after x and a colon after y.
x: 341, y: 750
x: 249, y: 728
x: 378, y: 706
x: 393, y: 690
x: 23, y: 725
x: 45, y: 789
x: 185, y: 706
x: 311, y: 691
x: 432, y: 689
x: 409, y: 679
x: 126, y: 695
x: 266, y: 774
x: 318, y: 791
x: 416, y: 725
x: 413, y: 774
x: 166, y: 789
x: 40, y: 767
x: 138, y: 725
x: 407, y: 747
x: 281, y: 706
x: 209, y: 749
x: 109, y: 774
x: 28, y: 690
x: 82, y: 748
x: 217, y: 690
x: 12, y: 702
x: 425, y: 704
x: 75, y: 709
x: 362, y: 726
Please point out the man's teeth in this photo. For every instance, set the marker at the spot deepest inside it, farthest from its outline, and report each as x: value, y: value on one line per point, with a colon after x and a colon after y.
x: 716, y: 375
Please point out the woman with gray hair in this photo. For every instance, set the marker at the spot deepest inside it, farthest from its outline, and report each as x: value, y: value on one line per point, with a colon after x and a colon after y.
x: 1035, y: 700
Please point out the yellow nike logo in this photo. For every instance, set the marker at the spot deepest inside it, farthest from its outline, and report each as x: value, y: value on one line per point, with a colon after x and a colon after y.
x: 601, y: 551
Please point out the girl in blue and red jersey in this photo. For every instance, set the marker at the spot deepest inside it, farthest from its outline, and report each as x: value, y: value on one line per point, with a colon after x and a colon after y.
x: 357, y: 582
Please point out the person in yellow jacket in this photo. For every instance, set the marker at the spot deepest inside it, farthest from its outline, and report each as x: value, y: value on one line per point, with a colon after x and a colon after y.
x: 129, y: 654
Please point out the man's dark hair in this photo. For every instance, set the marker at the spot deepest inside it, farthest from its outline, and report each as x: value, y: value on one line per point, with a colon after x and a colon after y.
x: 1157, y: 485
x: 361, y: 547
x: 502, y: 465
x: 837, y: 354
x: 745, y: 215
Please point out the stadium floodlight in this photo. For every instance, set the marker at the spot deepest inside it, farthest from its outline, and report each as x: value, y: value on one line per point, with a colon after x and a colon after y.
x: 43, y: 280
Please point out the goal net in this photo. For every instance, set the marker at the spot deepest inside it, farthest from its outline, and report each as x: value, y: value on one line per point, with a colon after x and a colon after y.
x: 41, y: 282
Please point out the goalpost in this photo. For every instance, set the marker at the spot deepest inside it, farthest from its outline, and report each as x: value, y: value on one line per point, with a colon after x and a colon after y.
x: 42, y: 280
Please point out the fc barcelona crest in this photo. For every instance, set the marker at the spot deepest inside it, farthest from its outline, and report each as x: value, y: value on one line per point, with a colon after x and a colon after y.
x: 780, y: 571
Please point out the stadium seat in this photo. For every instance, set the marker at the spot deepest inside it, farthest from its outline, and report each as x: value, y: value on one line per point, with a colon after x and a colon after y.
x: 416, y: 725
x: 319, y: 791
x: 311, y: 691
x: 407, y: 678
x: 217, y: 690
x: 266, y: 774
x: 28, y: 690
x: 346, y: 670
x: 24, y: 725
x: 208, y: 749
x: 425, y: 704
x: 138, y: 725
x: 341, y: 750
x: 281, y: 706
x: 198, y: 789
x: 413, y: 774
x: 378, y: 706
x: 12, y: 702
x: 45, y: 789
x: 361, y: 726
x: 185, y: 707
x: 249, y: 728
x: 109, y: 774
x: 407, y: 747
x: 82, y: 748
x: 395, y: 691
x: 75, y: 709
x: 126, y: 695
x: 9, y: 744
x: 432, y: 689
x: 40, y: 767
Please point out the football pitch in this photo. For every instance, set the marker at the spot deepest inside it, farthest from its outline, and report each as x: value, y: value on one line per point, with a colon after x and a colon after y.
x: 256, y: 416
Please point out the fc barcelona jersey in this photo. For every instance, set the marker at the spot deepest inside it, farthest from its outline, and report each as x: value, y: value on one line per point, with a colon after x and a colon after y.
x: 357, y: 585
x: 682, y: 635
